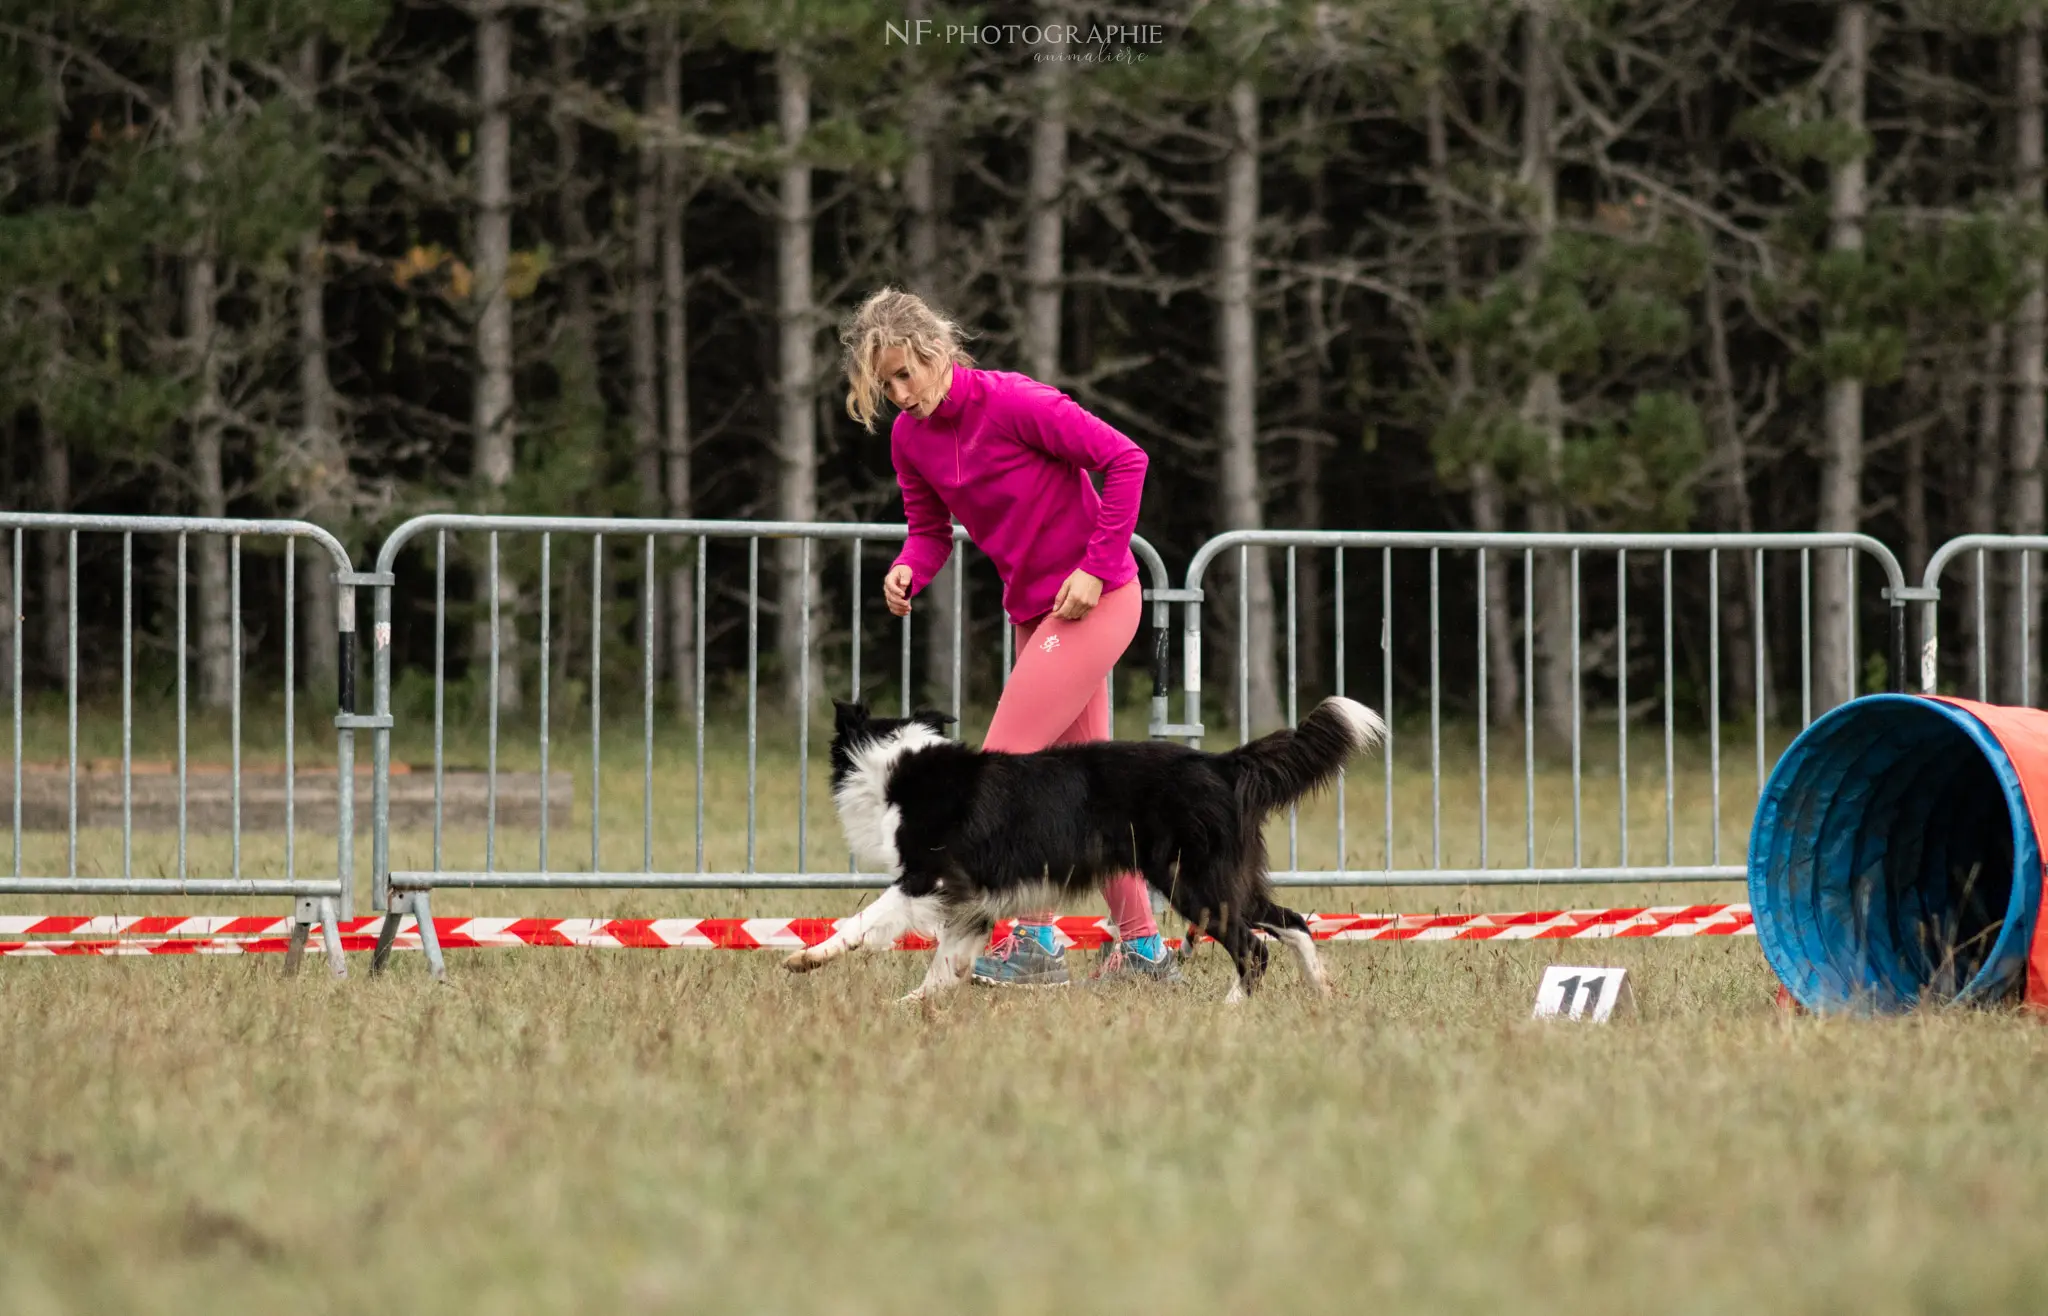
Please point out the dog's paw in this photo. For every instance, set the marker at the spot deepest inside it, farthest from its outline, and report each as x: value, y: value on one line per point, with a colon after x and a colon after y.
x: 805, y: 960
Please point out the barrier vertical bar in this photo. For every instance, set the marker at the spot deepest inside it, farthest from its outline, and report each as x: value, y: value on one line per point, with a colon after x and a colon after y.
x: 803, y: 712
x: 1578, y: 731
x: 71, y: 700
x: 2026, y: 632
x: 380, y: 753
x: 14, y: 626
x: 440, y: 682
x: 1714, y: 689
x: 1621, y: 691
x: 1191, y: 664
x: 1670, y: 756
x: 960, y: 635
x: 1761, y: 629
x: 753, y: 681
x: 1805, y: 637
x: 596, y: 705
x: 702, y: 605
x: 547, y: 590
x: 852, y: 861
x: 182, y: 558
x: 345, y: 761
x: 1387, y: 694
x: 491, y: 720
x: 1897, y: 675
x: 647, y: 711
x: 1853, y: 677
x: 291, y: 559
x: 1343, y: 854
x: 128, y: 709
x: 1436, y: 765
x: 1485, y: 711
x: 234, y: 697
x: 1293, y: 717
x: 1983, y: 640
x: 1244, y: 648
x: 1529, y: 706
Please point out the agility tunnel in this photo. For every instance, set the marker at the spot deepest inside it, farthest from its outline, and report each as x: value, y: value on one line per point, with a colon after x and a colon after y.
x: 1896, y: 856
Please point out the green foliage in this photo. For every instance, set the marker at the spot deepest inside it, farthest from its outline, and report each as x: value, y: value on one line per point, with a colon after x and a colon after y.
x: 1794, y: 129
x: 1590, y: 311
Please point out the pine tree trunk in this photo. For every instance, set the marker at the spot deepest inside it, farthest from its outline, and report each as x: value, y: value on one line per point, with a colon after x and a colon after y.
x: 53, y: 452
x: 675, y: 431
x: 1489, y: 511
x: 796, y: 323
x: 2027, y: 378
x: 943, y: 625
x: 1311, y: 662
x: 8, y: 607
x: 324, y: 498
x: 492, y: 415
x: 579, y: 321
x: 644, y: 334
x: 1242, y: 499
x: 55, y: 629
x: 1841, y: 467
x: 216, y: 635
x: 1045, y: 201
x: 1981, y: 513
x: 1543, y: 403
x: 1738, y: 583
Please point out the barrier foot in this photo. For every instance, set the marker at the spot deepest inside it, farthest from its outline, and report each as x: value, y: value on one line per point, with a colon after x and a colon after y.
x: 385, y: 936
x: 296, y: 950
x: 330, y: 935
x: 423, y: 914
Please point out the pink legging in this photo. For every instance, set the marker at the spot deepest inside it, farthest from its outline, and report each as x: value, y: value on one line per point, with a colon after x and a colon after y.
x: 1057, y: 696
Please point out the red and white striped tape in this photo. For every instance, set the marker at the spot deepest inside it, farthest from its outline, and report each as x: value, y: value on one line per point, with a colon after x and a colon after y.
x: 219, y: 935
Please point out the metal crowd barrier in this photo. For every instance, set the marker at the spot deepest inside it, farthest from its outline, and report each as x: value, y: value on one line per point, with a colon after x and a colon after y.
x: 1690, y: 576
x: 398, y: 892
x: 1522, y: 550
x: 317, y: 899
x: 1978, y: 670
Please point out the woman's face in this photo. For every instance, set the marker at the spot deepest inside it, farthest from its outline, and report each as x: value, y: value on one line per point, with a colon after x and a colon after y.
x: 911, y: 384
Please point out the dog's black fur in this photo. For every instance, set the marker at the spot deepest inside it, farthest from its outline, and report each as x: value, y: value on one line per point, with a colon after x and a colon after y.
x: 979, y: 832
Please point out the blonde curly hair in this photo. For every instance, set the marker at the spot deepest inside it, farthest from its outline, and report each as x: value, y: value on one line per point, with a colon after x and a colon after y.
x: 892, y: 318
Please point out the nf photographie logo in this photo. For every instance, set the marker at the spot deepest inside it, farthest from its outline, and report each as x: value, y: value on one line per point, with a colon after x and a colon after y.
x: 1098, y: 42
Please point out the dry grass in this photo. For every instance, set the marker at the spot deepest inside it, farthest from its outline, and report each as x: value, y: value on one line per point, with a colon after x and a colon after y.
x: 561, y: 1131
x: 568, y: 1130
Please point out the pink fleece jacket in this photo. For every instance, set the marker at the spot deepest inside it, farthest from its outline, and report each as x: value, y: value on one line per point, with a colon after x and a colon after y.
x: 1010, y: 457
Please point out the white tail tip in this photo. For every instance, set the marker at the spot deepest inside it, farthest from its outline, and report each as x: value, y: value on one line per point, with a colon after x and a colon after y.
x: 1368, y: 732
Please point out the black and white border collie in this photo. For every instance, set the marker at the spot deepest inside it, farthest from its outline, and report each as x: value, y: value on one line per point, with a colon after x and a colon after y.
x: 972, y: 836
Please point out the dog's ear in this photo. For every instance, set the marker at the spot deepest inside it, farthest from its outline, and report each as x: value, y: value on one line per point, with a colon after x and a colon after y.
x: 934, y: 719
x: 846, y: 716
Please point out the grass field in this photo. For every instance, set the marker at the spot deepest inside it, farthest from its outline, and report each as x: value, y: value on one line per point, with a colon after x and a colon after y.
x: 698, y: 1131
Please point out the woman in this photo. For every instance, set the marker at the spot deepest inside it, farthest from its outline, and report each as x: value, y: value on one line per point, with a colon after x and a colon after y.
x: 1010, y: 456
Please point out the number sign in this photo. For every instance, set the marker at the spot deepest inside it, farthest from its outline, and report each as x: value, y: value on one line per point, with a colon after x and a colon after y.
x: 1594, y: 994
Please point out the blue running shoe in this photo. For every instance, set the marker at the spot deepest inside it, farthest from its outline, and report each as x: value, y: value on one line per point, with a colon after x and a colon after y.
x: 1030, y: 957
x: 1137, y: 959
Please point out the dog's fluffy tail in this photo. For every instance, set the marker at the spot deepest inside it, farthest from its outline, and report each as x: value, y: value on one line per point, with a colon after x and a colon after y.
x: 1276, y: 770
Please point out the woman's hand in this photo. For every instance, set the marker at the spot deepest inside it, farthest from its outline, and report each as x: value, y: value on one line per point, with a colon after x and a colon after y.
x: 1079, y: 594
x: 896, y: 589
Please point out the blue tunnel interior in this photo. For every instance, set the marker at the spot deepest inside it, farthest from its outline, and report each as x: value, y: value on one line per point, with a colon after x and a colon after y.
x: 1893, y: 860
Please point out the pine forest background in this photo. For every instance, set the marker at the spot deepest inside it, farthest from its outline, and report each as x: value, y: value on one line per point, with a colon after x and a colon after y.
x: 1410, y: 264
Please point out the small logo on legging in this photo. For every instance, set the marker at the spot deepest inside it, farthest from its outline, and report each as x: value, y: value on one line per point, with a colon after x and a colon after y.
x: 1051, y: 642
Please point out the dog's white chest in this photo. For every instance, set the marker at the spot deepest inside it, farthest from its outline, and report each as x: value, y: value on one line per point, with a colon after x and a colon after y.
x: 869, y: 820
